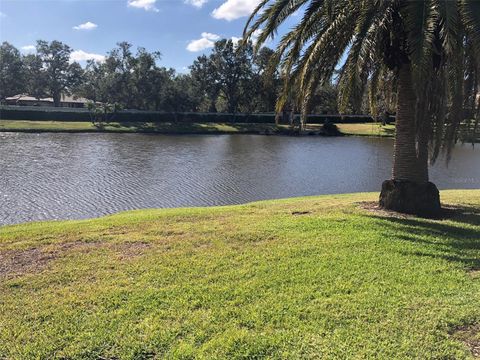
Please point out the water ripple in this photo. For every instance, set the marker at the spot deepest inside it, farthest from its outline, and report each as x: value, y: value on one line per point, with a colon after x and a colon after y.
x: 73, y: 176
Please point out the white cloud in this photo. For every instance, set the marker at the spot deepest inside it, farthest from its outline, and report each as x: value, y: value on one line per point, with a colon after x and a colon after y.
x: 147, y: 5
x: 255, y: 35
x: 206, y: 41
x: 199, y: 45
x: 210, y: 36
x: 236, y: 40
x: 197, y: 3
x: 28, y: 49
x: 234, y: 9
x: 86, y: 26
x: 80, y: 55
x: 253, y: 38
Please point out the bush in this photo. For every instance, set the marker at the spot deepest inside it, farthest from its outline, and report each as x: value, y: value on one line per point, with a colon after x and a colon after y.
x: 339, y: 119
x: 330, y: 129
x: 72, y: 114
x: 43, y: 114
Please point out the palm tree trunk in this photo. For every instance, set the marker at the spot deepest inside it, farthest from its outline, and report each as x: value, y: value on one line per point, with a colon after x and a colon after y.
x: 422, y: 150
x: 406, y: 166
x: 409, y: 190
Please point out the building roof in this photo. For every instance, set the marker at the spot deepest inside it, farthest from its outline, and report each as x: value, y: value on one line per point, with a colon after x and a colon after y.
x: 64, y: 98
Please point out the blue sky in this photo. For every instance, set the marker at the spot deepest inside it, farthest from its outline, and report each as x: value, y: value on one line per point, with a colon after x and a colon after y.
x: 180, y: 29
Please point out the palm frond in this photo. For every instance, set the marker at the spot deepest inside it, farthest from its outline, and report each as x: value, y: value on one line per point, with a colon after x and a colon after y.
x: 420, y: 19
x: 363, y: 54
x: 470, y: 11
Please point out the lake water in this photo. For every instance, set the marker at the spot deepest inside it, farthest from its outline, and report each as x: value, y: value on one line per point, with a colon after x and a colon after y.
x: 73, y: 176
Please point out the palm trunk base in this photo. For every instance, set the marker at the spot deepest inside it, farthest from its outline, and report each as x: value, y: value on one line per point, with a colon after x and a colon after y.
x: 422, y: 199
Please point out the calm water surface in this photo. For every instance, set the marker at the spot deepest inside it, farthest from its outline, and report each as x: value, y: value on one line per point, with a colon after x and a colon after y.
x: 73, y: 176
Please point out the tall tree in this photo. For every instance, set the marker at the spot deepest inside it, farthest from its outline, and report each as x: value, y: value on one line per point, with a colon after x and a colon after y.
x: 12, y: 72
x: 324, y: 100
x: 426, y: 45
x: 180, y: 94
x: 118, y: 75
x: 234, y: 67
x: 206, y: 78
x: 36, y: 77
x: 265, y: 81
x: 61, y: 76
x: 224, y: 75
x: 134, y: 79
x: 147, y: 79
x: 92, y: 86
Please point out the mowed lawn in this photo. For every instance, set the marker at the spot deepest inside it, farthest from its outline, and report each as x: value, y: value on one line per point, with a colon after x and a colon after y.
x: 136, y: 127
x: 368, y: 129
x: 317, y: 277
x: 365, y: 129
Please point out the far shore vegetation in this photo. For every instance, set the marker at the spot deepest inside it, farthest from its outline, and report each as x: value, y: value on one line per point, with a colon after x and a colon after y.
x: 364, y: 129
x: 355, y: 129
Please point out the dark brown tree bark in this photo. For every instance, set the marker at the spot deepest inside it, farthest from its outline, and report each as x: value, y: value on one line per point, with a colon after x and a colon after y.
x: 56, y: 99
x: 409, y: 190
x: 405, y: 161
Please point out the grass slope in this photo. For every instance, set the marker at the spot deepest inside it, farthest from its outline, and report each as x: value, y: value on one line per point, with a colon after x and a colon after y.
x: 372, y: 129
x: 299, y: 278
x: 364, y: 129
x: 164, y: 128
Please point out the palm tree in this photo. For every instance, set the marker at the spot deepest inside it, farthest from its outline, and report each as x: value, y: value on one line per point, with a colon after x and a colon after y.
x: 431, y: 48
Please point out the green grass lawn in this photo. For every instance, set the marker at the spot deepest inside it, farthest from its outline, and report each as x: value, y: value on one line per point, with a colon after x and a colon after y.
x: 376, y: 129
x: 316, y: 277
x: 164, y: 128
x: 370, y: 129
x: 365, y: 129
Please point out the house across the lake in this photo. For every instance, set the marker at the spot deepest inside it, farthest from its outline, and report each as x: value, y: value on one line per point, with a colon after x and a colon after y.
x: 27, y: 100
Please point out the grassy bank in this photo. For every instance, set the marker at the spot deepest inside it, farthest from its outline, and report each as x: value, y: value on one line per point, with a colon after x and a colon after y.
x: 360, y: 129
x: 163, y: 128
x: 372, y: 129
x: 367, y: 129
x: 299, y: 278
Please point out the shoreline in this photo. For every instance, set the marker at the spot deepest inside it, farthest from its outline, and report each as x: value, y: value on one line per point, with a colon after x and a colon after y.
x: 266, y: 202
x: 375, y: 130
x: 28, y: 126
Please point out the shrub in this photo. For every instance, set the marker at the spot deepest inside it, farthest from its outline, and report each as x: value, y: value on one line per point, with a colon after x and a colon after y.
x: 76, y: 114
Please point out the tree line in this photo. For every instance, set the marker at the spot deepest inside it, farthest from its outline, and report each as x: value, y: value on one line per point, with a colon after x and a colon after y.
x: 230, y: 79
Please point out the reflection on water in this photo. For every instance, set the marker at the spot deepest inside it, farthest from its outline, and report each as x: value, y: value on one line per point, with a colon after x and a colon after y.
x: 71, y: 176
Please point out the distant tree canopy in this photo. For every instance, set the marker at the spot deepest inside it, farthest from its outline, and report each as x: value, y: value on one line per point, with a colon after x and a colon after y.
x: 235, y: 79
x: 12, y: 71
x: 35, y: 76
x: 59, y: 75
x: 232, y: 78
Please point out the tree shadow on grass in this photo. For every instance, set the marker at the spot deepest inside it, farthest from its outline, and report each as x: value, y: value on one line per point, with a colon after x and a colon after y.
x: 197, y: 128
x: 389, y: 131
x: 455, y: 238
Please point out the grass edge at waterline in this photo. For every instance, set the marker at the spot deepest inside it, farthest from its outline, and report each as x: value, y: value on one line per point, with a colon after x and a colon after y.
x: 360, y: 129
